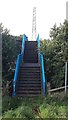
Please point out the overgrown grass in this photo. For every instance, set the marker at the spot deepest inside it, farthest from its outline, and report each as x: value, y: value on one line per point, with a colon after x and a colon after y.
x: 39, y: 107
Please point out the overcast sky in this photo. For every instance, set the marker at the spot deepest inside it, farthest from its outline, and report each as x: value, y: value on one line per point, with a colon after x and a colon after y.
x: 16, y: 15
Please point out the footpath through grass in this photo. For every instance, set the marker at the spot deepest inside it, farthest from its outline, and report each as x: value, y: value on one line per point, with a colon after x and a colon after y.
x: 40, y: 107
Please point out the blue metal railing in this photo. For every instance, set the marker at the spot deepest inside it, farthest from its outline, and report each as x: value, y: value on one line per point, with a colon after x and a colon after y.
x: 16, y: 74
x: 23, y: 42
x: 38, y: 40
x: 42, y: 66
x: 43, y: 74
x: 20, y: 56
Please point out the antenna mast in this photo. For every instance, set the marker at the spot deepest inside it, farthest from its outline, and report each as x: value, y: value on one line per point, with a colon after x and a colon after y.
x: 34, y: 24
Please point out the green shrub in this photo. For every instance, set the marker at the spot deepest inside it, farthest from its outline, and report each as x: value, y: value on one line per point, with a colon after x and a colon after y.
x: 49, y: 107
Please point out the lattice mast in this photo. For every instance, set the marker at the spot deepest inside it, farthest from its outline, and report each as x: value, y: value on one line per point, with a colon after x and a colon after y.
x: 34, y: 24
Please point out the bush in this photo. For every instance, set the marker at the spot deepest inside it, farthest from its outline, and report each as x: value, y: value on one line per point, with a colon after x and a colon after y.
x: 31, y: 108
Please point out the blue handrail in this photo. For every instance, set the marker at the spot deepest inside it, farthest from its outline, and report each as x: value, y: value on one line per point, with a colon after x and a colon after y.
x: 20, y: 56
x: 43, y: 74
x: 38, y: 40
x: 16, y: 74
x: 42, y: 66
x: 23, y: 42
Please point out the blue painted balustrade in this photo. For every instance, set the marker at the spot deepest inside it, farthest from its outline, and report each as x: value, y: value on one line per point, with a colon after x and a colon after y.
x: 42, y: 67
x: 43, y: 74
x: 16, y: 74
x: 19, y: 58
x: 23, y: 43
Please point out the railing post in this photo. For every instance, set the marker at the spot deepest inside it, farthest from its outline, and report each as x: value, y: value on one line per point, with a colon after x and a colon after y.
x: 65, y: 77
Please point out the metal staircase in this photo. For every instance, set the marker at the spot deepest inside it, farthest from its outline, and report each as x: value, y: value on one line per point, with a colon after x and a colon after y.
x: 31, y: 52
x: 28, y: 79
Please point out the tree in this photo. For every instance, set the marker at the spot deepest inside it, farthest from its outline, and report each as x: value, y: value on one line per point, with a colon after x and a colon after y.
x: 10, y: 50
x: 55, y: 54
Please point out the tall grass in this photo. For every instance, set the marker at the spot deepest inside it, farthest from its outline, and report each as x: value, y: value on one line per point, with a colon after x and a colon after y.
x: 38, y: 107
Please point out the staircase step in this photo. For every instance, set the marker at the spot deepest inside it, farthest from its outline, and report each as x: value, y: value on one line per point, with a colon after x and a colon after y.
x: 27, y: 95
x: 29, y: 85
x: 31, y: 65
x: 23, y: 76
x: 29, y: 81
x: 30, y: 68
x: 29, y: 88
x: 29, y: 92
x: 29, y: 71
x: 30, y: 60
x: 29, y: 76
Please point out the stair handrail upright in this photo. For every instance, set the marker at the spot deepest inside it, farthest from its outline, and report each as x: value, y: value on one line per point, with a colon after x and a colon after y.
x: 42, y: 66
x: 20, y: 56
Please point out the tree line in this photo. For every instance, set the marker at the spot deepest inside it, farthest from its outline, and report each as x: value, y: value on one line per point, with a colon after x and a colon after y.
x: 55, y: 53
